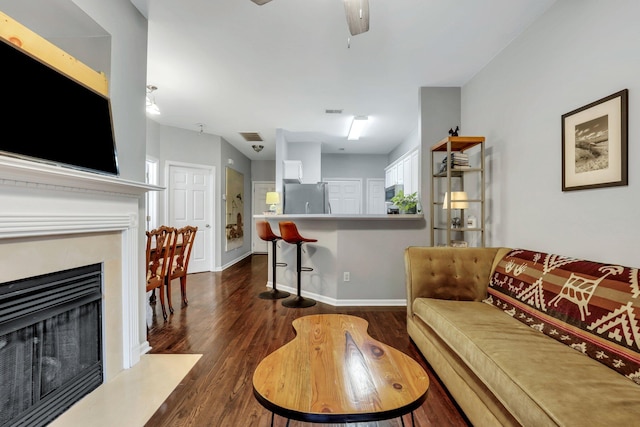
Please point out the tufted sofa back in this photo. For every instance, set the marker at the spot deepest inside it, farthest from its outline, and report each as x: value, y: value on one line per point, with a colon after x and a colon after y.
x: 449, y: 273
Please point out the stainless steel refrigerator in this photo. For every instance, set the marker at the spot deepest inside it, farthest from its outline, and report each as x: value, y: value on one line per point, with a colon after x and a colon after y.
x: 306, y: 198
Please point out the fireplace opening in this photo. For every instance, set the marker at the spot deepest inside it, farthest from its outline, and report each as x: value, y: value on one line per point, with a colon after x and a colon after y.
x: 50, y: 344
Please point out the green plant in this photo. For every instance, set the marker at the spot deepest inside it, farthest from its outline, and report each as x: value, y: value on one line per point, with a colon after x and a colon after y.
x: 405, y: 202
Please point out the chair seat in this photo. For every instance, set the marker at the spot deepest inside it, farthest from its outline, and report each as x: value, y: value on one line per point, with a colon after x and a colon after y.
x: 290, y: 234
x: 265, y: 232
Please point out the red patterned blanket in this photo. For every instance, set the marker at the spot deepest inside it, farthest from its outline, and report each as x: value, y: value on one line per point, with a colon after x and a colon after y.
x: 592, y: 307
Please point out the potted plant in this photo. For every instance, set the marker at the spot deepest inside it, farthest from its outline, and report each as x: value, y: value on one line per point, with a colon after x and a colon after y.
x: 406, y: 203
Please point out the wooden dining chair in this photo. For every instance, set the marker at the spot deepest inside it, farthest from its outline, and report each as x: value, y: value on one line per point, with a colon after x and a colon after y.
x: 182, y: 245
x: 158, y: 256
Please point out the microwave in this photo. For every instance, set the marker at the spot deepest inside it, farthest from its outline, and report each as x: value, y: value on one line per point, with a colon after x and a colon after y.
x: 391, y: 191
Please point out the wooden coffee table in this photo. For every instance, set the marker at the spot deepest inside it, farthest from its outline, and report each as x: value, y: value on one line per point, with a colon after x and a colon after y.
x: 334, y: 372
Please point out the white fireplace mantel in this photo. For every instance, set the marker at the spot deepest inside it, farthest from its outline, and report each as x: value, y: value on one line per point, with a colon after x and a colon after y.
x: 33, y: 173
x: 41, y: 202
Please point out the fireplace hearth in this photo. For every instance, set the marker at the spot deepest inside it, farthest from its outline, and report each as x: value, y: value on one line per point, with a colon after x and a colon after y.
x: 50, y: 344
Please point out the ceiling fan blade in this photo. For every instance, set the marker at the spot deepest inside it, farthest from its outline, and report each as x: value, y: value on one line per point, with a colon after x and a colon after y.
x: 357, y: 12
x: 260, y: 2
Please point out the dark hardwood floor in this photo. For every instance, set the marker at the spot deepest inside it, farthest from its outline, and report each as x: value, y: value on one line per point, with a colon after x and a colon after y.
x: 233, y: 329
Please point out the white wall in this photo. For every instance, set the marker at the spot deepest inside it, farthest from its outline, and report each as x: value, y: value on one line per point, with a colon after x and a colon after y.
x: 578, y: 52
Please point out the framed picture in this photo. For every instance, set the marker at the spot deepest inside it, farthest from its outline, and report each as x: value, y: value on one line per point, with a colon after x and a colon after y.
x: 594, y: 144
x: 234, y: 197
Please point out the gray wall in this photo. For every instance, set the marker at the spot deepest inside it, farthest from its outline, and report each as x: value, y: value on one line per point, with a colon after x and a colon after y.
x: 263, y: 170
x: 191, y: 148
x: 439, y: 112
x: 578, y: 52
x: 411, y: 141
x: 353, y: 166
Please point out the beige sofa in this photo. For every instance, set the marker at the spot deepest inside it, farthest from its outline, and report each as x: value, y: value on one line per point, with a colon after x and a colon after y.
x: 527, y: 349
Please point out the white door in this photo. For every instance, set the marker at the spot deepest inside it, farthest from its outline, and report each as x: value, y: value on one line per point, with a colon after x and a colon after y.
x: 190, y: 193
x: 345, y: 196
x: 259, y: 204
x: 375, y: 196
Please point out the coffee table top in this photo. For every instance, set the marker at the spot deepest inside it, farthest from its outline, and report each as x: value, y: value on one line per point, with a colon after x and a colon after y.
x: 334, y: 372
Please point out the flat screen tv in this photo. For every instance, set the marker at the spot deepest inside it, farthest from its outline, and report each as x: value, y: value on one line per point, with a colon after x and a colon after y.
x: 49, y: 117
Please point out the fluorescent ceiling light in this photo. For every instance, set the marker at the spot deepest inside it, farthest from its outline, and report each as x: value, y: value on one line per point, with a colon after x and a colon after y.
x: 357, y: 125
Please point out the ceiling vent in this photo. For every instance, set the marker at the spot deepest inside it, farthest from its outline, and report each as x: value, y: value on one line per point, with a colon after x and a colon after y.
x: 251, y: 136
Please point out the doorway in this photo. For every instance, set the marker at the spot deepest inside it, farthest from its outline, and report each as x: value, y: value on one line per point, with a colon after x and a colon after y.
x: 259, y: 205
x: 190, y: 202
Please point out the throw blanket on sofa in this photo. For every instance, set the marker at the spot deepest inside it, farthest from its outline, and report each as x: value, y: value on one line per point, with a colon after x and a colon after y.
x: 589, y: 306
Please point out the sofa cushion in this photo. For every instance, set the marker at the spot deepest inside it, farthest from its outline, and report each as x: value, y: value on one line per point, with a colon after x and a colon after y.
x: 591, y: 307
x: 538, y: 380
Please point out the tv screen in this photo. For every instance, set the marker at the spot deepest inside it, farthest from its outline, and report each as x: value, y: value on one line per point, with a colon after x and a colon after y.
x: 47, y: 116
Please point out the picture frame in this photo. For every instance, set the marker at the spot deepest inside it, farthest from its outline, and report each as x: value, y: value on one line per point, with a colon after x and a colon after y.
x: 595, y: 144
x: 234, y: 203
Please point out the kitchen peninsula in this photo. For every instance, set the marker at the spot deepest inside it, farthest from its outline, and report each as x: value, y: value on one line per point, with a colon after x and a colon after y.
x: 367, y: 250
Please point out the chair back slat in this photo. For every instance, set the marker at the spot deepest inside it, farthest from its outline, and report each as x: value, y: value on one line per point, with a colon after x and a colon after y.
x: 185, y: 237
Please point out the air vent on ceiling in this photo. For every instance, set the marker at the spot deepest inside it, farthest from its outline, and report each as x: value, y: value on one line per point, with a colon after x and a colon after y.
x: 333, y: 111
x: 251, y: 136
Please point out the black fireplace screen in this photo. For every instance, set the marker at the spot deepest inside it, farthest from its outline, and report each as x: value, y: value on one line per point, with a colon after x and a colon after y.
x: 50, y: 344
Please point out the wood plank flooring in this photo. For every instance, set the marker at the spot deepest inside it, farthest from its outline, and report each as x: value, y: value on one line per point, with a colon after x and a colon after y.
x: 233, y: 329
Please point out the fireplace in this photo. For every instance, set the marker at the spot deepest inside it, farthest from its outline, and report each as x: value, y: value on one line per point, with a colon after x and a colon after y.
x: 56, y: 219
x: 50, y: 344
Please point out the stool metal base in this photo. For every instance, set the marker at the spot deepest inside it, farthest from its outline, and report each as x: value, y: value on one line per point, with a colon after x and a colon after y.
x: 298, y: 302
x: 273, y: 294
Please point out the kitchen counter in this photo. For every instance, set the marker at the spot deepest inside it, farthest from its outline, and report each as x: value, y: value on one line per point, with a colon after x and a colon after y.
x: 292, y: 217
x: 366, y: 250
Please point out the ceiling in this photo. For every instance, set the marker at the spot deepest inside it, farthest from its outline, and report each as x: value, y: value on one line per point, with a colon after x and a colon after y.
x: 233, y: 66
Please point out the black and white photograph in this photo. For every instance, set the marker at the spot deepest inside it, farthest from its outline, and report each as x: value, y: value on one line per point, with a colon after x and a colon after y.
x: 594, y: 144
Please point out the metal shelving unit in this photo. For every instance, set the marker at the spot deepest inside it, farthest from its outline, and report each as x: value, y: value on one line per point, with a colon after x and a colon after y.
x: 448, y: 178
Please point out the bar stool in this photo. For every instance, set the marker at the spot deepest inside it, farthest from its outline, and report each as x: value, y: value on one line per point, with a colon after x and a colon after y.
x: 266, y: 234
x: 289, y: 233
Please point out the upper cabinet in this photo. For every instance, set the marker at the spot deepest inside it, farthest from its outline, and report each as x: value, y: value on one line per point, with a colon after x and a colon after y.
x: 292, y: 171
x: 404, y: 171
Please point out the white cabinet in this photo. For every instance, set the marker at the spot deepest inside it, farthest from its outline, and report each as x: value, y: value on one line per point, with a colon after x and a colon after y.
x: 415, y: 171
x: 404, y: 171
x: 292, y: 171
x: 391, y: 175
x: 407, y: 172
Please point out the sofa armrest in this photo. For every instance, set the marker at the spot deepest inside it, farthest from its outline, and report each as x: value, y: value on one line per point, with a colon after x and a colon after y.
x: 449, y: 273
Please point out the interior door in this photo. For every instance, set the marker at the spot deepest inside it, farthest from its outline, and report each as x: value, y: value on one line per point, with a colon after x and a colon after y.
x: 190, y: 195
x: 259, y: 205
x: 375, y: 196
x: 345, y: 196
